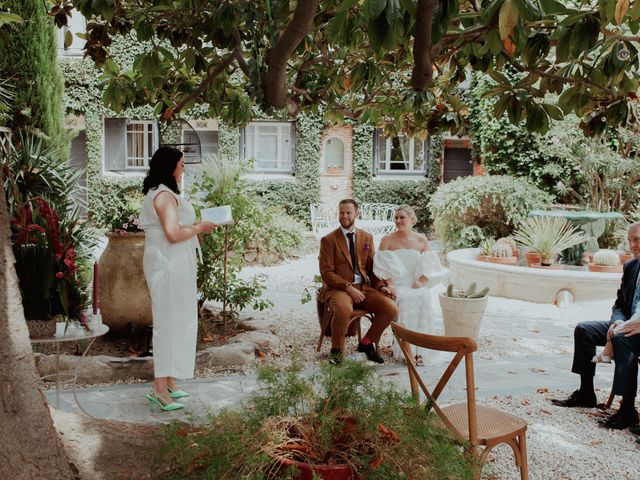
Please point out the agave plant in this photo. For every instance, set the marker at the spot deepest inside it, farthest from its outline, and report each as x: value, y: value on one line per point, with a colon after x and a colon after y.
x: 547, y: 236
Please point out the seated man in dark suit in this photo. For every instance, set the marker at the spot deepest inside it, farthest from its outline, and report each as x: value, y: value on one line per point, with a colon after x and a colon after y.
x: 626, y: 347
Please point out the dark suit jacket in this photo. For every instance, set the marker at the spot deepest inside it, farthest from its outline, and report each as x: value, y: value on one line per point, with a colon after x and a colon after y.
x: 622, y: 306
x: 335, y: 262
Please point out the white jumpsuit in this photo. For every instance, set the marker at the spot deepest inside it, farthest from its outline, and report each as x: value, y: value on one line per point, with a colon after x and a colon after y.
x: 171, y: 273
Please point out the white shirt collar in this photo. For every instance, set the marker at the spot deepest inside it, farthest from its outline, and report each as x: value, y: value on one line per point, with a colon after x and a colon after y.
x: 345, y: 231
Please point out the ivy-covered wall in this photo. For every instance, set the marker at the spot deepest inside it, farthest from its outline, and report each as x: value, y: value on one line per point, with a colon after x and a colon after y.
x: 83, y: 95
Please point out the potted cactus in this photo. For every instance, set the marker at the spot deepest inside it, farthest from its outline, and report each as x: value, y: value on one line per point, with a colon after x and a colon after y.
x: 605, y: 260
x: 484, y: 252
x: 462, y: 310
x: 511, y: 243
x: 502, y: 253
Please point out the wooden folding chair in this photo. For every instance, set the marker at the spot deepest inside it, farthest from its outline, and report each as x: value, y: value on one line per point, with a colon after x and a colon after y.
x: 478, y: 425
x: 325, y: 316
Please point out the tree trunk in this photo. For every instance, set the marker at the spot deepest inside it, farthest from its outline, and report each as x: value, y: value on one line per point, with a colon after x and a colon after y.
x: 274, y: 83
x: 29, y: 444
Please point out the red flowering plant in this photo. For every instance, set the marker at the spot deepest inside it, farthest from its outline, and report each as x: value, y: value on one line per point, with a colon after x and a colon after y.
x: 43, y: 246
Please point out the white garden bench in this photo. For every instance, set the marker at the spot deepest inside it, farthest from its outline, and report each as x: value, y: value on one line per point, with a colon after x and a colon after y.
x: 375, y: 218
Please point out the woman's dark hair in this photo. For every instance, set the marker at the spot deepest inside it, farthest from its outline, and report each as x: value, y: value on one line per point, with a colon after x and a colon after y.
x: 161, y: 168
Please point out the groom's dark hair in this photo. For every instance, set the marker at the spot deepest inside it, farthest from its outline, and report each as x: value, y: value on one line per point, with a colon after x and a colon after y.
x: 351, y: 201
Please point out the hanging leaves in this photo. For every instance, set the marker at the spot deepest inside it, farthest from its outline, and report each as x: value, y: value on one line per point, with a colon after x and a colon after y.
x: 621, y: 10
x: 508, y: 18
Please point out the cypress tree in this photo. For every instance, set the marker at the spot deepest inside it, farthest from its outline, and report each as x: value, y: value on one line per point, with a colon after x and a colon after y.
x: 29, y: 59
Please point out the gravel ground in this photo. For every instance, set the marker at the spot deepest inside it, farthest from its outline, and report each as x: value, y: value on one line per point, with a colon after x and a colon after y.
x: 561, y: 443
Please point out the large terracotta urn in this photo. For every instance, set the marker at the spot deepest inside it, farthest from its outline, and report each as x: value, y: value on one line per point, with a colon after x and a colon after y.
x: 123, y: 293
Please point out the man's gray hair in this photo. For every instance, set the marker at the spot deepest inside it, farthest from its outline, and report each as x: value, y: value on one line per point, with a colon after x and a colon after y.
x: 633, y: 226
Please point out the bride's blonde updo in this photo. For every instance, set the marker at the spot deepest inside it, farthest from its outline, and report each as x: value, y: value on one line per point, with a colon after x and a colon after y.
x: 410, y: 213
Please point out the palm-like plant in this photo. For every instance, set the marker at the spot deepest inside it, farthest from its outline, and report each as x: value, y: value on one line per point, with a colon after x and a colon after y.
x: 547, y: 236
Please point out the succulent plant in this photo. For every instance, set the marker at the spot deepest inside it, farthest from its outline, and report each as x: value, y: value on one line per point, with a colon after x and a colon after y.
x: 605, y: 257
x: 547, y: 236
x: 510, y: 242
x: 485, y: 246
x: 501, y: 250
x: 470, y: 292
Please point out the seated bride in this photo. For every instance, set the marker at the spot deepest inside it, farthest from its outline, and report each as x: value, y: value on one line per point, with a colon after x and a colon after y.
x: 406, y: 265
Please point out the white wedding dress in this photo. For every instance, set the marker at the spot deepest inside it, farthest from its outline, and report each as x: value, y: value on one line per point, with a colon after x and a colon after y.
x: 171, y: 273
x: 404, y: 267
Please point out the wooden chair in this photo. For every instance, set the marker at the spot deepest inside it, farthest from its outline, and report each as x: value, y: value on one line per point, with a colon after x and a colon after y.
x: 326, y: 324
x: 478, y: 425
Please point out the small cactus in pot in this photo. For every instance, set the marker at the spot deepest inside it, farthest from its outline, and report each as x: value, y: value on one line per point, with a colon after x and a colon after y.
x: 605, y: 260
x: 502, y: 253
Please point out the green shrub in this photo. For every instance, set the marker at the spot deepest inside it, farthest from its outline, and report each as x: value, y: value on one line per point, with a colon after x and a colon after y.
x: 335, y: 416
x: 109, y: 197
x: 255, y: 227
x: 470, y: 209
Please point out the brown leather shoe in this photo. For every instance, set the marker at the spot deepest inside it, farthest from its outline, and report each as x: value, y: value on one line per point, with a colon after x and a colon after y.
x: 577, y: 399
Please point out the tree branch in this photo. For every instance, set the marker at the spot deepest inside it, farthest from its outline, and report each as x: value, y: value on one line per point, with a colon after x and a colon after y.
x: 212, y: 73
x: 574, y: 80
x: 423, y: 69
x: 274, y: 83
x: 237, y: 53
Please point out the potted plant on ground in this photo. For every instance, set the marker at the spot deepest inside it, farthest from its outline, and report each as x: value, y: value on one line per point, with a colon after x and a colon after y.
x: 462, y: 310
x: 547, y: 237
x: 123, y: 293
x: 605, y: 260
x: 341, y: 423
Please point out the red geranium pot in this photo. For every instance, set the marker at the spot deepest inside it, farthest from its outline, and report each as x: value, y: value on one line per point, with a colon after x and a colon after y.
x: 325, y: 472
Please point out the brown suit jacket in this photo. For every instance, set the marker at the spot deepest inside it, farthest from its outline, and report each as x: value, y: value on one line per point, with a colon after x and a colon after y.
x: 335, y: 262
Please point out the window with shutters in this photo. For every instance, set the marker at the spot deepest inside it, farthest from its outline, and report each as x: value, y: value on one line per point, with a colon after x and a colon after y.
x: 270, y: 145
x: 129, y: 144
x: 400, y: 154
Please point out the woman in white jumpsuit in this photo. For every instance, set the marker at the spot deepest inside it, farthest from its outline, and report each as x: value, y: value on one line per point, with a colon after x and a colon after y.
x: 170, y: 268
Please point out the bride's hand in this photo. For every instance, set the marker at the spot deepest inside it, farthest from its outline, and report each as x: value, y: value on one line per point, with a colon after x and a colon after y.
x: 418, y: 284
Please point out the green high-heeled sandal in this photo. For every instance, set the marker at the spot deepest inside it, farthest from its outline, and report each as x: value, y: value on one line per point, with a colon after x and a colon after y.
x: 177, y: 393
x: 153, y: 397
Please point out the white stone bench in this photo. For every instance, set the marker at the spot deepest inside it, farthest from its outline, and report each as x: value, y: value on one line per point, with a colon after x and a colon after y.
x: 375, y: 218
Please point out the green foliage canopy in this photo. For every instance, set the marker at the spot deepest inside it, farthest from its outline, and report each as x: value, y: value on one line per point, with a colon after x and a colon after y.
x: 347, y: 55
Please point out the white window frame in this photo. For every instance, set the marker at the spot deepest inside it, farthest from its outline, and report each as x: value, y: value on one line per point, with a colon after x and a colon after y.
x: 286, y: 142
x: 388, y: 145
x: 150, y: 127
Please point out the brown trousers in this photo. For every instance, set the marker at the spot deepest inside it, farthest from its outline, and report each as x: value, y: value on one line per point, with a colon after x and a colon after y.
x: 385, y: 310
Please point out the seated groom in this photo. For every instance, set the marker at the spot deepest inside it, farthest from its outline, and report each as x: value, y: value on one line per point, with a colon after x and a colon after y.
x: 346, y: 267
x: 626, y: 347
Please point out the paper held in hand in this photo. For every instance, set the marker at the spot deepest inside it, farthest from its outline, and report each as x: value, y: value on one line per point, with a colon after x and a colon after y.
x: 218, y: 215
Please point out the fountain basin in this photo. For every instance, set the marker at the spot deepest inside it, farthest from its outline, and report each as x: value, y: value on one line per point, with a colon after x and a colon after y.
x: 530, y: 284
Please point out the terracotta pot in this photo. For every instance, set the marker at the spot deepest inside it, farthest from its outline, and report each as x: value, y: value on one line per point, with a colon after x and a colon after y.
x: 516, y: 252
x: 625, y: 257
x: 483, y: 258
x: 41, y: 328
x: 532, y: 258
x: 504, y: 260
x: 123, y: 293
x: 605, y: 268
x: 462, y: 316
x: 550, y: 267
x: 307, y: 471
